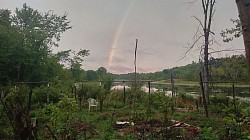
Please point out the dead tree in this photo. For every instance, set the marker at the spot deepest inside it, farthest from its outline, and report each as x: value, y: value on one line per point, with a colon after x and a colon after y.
x: 208, y: 7
x: 208, y: 12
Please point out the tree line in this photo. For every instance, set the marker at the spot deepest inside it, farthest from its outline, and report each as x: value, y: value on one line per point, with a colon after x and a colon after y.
x: 227, y: 69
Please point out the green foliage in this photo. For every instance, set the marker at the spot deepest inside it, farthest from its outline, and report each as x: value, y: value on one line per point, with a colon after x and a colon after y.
x: 91, y: 89
x: 236, y: 119
x: 16, y: 105
x: 27, y: 38
x: 6, y: 131
x: 218, y: 103
x: 208, y: 134
x: 75, y: 63
x: 101, y: 72
x: 232, y: 33
x: 230, y: 69
x: 60, y: 117
x: 40, y: 94
x: 115, y: 95
x: 91, y: 75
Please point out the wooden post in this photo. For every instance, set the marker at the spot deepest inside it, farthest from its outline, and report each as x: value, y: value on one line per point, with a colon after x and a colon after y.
x: 197, y: 106
x: 18, y: 75
x: 29, y: 102
x: 135, y: 86
x: 85, y: 134
x: 124, y: 95
x: 48, y: 93
x: 173, y: 92
x: 81, y: 97
x: 150, y: 101
x: 203, y: 96
x: 75, y: 92
x: 149, y: 87
x: 101, y: 96
x: 135, y: 66
x: 175, y: 89
x: 234, y: 98
x: 80, y: 103
x: 172, y: 86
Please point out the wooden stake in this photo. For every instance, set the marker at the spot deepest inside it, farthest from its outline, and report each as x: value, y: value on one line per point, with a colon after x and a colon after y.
x: 124, y: 95
x: 234, y: 98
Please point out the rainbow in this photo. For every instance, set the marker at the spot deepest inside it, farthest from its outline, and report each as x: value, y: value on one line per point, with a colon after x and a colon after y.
x: 118, y: 33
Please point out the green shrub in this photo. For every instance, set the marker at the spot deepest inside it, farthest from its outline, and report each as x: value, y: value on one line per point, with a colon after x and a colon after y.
x: 208, y: 134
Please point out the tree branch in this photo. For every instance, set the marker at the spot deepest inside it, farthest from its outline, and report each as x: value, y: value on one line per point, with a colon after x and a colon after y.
x: 191, y: 47
x: 198, y: 21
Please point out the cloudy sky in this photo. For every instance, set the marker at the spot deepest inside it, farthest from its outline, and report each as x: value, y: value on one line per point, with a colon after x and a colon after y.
x: 109, y: 28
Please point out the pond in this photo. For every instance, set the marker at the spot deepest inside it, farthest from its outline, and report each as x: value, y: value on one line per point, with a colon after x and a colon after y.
x: 226, y: 89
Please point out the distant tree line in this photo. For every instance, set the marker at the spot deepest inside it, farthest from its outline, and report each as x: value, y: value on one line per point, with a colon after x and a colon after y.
x: 227, y: 69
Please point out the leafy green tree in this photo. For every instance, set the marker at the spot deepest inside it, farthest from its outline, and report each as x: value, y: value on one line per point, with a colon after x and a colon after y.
x: 232, y: 68
x: 5, y: 18
x: 101, y: 72
x: 234, y: 32
x: 91, y: 75
x: 9, y: 47
x: 28, y: 38
x: 60, y: 118
x: 75, y: 63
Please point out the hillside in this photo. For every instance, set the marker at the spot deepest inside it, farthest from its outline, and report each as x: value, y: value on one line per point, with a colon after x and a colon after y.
x: 233, y: 69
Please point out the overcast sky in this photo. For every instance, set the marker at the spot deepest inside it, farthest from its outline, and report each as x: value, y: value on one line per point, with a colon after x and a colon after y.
x: 109, y: 28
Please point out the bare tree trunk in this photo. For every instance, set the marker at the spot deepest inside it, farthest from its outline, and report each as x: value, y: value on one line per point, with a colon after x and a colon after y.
x: 244, y: 14
x: 203, y: 96
x: 208, y: 9
x: 206, y: 69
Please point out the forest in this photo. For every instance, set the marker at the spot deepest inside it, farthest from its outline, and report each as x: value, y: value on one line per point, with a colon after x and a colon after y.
x: 230, y: 69
x: 46, y: 95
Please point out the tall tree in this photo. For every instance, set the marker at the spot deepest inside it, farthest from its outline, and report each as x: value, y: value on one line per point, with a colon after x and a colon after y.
x: 26, y: 41
x: 244, y: 14
x: 208, y: 9
x: 9, y: 46
x: 208, y: 13
x: 91, y: 75
x: 28, y: 38
x: 75, y: 63
x: 101, y: 72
